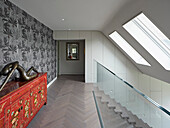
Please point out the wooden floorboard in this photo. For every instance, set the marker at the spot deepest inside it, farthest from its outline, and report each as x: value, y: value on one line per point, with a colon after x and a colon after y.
x: 70, y: 104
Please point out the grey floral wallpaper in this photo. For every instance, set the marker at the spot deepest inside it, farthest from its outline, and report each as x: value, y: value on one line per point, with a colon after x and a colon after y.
x: 24, y: 39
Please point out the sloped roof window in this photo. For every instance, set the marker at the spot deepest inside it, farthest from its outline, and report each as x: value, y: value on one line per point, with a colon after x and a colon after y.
x: 151, y: 38
x: 123, y: 44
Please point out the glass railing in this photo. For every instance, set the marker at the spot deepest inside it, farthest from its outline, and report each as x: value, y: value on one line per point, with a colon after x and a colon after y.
x: 135, y: 101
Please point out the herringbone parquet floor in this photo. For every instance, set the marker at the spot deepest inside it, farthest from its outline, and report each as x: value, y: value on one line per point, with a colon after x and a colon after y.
x: 70, y: 105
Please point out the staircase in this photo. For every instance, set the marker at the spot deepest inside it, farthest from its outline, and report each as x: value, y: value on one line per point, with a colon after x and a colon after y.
x: 114, y: 115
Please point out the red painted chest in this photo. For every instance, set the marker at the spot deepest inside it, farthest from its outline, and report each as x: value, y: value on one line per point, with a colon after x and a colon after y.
x: 20, y: 101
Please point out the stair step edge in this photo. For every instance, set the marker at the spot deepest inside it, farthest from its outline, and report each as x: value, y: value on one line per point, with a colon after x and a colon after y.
x: 118, y: 110
x: 124, y: 115
x: 132, y: 121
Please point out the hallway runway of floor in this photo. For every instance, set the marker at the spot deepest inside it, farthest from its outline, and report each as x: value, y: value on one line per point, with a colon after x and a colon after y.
x: 70, y: 104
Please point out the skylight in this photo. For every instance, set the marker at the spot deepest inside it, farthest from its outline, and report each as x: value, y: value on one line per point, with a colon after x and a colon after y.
x: 128, y: 49
x: 151, y: 38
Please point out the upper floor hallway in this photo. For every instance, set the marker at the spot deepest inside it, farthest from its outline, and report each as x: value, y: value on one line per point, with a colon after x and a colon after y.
x: 30, y: 31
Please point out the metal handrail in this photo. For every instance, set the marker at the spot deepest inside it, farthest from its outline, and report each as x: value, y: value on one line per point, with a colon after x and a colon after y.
x: 98, y: 111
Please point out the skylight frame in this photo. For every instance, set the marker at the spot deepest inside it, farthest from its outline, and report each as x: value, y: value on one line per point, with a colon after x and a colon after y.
x: 159, y: 42
x: 142, y: 25
x: 128, y: 49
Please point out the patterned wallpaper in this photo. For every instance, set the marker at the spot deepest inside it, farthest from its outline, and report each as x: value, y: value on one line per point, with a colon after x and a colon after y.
x: 24, y: 39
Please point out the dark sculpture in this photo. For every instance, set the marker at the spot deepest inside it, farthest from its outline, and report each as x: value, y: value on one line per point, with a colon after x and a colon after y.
x: 9, y: 69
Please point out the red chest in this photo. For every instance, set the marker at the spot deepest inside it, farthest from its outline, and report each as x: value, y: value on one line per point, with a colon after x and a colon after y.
x: 20, y: 101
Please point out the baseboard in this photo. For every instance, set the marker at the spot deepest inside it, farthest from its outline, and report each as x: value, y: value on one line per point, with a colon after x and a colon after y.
x: 51, y: 82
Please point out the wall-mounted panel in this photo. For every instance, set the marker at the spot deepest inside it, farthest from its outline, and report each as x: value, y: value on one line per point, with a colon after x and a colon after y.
x: 109, y: 51
x: 72, y: 35
x: 87, y: 36
x: 62, y: 35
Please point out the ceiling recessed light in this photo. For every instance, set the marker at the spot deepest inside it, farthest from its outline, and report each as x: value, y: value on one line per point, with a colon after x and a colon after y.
x: 63, y: 19
x: 69, y: 29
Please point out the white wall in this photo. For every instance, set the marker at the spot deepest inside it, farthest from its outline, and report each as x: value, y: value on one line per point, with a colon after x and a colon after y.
x: 98, y: 47
x: 158, y: 12
x: 71, y: 66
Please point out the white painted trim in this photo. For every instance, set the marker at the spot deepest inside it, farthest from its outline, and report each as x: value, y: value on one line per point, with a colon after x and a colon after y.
x: 51, y: 82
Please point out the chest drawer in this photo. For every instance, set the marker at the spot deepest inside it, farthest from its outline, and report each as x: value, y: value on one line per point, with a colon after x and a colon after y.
x: 7, y: 112
x: 43, y: 85
x: 3, y: 105
x: 35, y: 83
x: 19, y: 93
x: 15, y: 114
x: 2, y: 123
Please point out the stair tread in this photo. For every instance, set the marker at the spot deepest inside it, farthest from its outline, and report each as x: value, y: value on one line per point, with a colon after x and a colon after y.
x: 130, y: 126
x: 105, y: 98
x: 111, y: 105
x: 124, y: 115
x: 121, y: 125
x: 140, y: 123
x: 118, y: 110
x: 120, y: 114
x: 98, y: 94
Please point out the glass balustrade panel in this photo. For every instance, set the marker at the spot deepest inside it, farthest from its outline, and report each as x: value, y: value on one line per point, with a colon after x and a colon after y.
x: 131, y: 98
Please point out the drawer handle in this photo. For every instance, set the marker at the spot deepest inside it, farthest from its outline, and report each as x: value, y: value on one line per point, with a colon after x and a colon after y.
x: 8, y: 111
x: 20, y: 102
x: 31, y: 114
x: 2, y: 106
